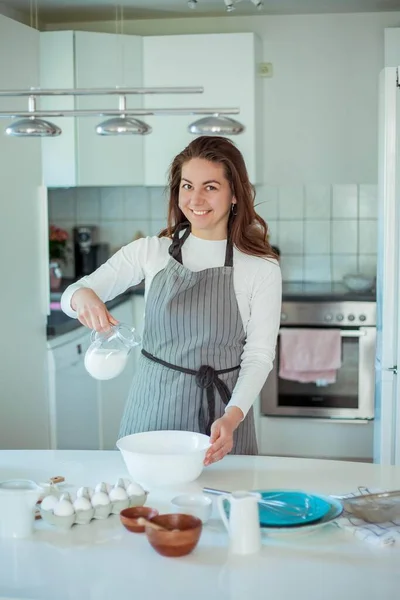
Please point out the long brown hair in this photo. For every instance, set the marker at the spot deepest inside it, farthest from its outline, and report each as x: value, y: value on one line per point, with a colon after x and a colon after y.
x: 247, y: 230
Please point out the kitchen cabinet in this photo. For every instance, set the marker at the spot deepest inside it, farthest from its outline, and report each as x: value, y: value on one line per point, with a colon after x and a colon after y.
x: 79, y: 59
x: 333, y: 439
x: 73, y: 395
x: 79, y: 156
x: 114, y: 392
x: 226, y: 66
x: 85, y: 414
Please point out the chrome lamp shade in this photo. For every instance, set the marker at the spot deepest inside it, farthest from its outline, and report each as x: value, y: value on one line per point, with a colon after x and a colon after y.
x: 216, y: 125
x: 33, y: 127
x: 123, y: 126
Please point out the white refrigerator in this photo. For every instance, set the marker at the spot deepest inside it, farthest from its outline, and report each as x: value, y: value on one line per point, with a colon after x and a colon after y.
x: 387, y: 388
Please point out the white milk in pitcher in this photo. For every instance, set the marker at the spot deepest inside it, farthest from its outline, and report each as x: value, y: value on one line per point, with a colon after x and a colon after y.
x: 105, y: 364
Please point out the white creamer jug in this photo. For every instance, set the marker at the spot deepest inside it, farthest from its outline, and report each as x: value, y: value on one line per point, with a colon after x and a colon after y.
x: 18, y: 498
x: 107, y: 355
x: 243, y: 524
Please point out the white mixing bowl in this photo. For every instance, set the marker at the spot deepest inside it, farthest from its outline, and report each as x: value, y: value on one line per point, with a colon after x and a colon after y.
x: 159, y: 458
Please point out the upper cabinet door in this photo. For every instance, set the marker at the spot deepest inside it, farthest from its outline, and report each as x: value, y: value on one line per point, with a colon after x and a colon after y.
x: 80, y: 157
x: 225, y: 66
x: 57, y: 71
x: 107, y: 60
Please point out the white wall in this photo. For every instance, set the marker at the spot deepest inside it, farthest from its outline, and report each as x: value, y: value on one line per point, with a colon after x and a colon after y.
x: 319, y: 132
x: 23, y: 403
x: 320, y: 107
x: 392, y: 47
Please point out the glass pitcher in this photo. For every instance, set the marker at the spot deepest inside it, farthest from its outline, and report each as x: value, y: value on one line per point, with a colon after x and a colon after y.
x: 108, y: 352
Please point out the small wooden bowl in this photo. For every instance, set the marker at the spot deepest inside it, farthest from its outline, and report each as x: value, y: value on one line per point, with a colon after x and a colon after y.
x: 175, y: 543
x: 129, y: 517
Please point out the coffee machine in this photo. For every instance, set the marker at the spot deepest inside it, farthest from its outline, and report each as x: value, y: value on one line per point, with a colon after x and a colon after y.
x: 89, y: 254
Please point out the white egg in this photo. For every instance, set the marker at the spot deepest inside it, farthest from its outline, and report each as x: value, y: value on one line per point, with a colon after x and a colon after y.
x: 118, y: 493
x: 64, y: 507
x: 134, y: 489
x: 82, y: 503
x: 100, y: 499
x: 103, y: 487
x: 49, y: 502
x: 85, y: 492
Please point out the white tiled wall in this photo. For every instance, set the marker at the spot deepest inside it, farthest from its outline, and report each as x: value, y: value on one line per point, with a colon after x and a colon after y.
x: 323, y: 231
x: 121, y: 213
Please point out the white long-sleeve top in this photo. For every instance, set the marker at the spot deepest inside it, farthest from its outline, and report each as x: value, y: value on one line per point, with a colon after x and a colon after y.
x: 257, y: 284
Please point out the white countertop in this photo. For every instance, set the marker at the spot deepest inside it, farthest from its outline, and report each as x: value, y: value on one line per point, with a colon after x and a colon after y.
x: 103, y: 561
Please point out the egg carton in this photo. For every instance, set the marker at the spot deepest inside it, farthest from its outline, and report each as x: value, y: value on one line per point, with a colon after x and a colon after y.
x: 63, y: 511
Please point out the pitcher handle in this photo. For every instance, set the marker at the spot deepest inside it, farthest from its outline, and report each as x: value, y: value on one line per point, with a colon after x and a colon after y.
x: 220, y: 505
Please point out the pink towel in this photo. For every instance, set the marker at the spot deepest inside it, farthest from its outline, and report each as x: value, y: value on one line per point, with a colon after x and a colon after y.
x: 310, y: 355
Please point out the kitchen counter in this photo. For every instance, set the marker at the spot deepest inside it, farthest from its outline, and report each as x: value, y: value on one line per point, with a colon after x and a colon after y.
x: 102, y: 560
x: 335, y: 291
x: 58, y: 323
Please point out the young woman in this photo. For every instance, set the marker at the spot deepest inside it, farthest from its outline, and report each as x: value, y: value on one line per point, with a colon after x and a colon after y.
x: 212, y: 297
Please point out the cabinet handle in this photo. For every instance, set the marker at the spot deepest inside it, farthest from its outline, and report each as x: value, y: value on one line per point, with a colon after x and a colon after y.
x: 79, y: 348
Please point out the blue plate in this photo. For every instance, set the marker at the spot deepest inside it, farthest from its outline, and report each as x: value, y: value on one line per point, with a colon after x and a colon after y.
x: 302, y: 509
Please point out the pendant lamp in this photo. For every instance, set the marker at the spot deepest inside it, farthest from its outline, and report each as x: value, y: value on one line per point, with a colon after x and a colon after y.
x: 32, y: 126
x: 216, y: 125
x: 123, y: 125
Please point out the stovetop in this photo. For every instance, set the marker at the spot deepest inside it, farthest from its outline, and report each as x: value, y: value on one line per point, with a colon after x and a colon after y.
x: 305, y: 291
x: 327, y: 305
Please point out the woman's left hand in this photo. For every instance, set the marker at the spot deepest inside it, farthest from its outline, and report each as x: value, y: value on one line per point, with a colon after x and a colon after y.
x: 221, y: 438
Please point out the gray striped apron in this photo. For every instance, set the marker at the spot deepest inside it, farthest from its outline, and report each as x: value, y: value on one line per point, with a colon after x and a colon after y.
x: 192, y: 343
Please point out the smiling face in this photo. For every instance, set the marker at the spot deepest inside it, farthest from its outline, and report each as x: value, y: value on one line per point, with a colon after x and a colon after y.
x: 205, y: 198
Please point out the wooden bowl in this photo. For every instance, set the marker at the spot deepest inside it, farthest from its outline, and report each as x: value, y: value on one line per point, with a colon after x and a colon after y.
x: 129, y: 517
x: 175, y: 543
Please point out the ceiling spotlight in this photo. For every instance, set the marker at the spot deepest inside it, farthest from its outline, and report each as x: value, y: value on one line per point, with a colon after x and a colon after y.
x: 258, y: 4
x: 229, y: 5
x: 192, y: 3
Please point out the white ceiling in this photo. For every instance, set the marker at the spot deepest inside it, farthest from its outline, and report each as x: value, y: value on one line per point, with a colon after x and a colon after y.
x: 53, y: 11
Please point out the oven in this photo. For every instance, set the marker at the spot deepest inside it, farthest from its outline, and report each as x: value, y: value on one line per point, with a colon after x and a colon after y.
x: 352, y: 394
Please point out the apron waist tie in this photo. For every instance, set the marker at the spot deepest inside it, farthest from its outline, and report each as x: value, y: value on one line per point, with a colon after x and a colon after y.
x: 206, y: 379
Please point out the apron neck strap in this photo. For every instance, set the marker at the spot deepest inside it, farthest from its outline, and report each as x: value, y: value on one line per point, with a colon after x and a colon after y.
x: 175, y: 248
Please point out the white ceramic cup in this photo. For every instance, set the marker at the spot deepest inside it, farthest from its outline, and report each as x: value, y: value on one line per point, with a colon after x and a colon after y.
x: 196, y: 505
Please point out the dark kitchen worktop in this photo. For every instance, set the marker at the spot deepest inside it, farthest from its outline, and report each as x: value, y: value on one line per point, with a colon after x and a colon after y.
x: 59, y: 323
x: 323, y: 292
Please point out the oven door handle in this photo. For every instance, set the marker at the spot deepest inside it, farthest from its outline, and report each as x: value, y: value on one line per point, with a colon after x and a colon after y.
x: 353, y: 333
x: 349, y: 333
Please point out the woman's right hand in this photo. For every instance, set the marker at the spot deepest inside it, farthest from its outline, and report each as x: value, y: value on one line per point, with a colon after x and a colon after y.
x: 91, y: 311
